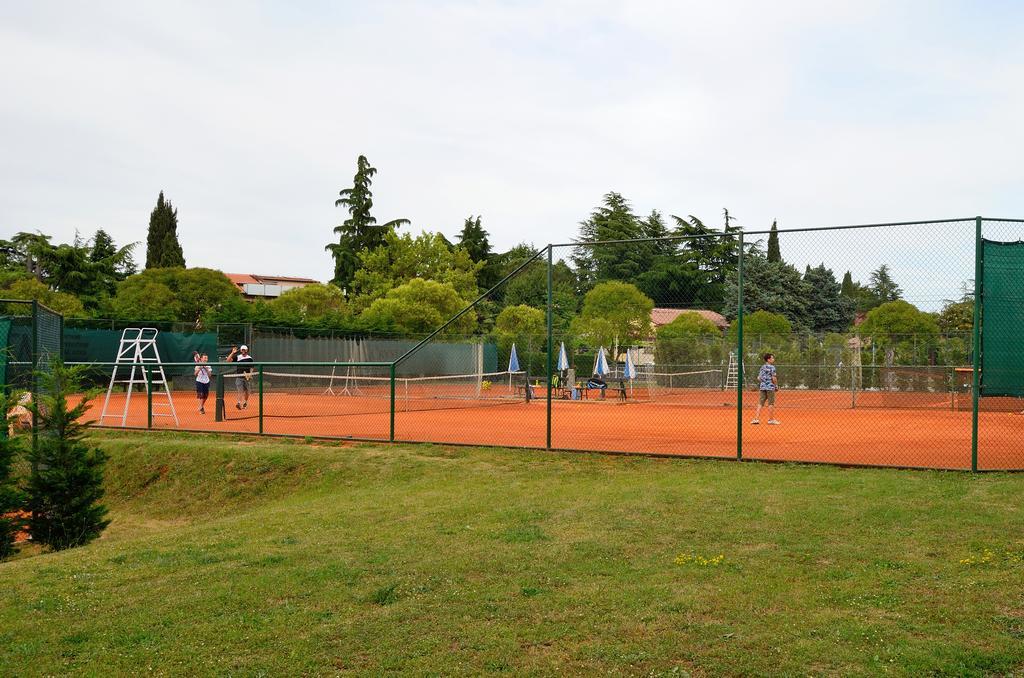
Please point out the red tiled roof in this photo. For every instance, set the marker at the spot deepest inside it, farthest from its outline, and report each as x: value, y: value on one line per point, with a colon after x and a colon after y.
x: 663, y: 316
x: 284, y: 278
x: 242, y: 279
x: 257, y: 279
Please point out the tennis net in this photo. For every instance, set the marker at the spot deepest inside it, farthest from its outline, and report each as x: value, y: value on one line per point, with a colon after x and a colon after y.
x: 345, y: 391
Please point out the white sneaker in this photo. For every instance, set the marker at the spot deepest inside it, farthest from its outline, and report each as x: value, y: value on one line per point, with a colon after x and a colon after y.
x: 756, y: 421
x: 774, y: 421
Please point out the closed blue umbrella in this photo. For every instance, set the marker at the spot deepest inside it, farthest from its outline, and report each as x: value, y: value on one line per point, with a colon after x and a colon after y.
x: 601, y: 363
x: 630, y: 371
x: 513, y: 366
x: 563, y: 359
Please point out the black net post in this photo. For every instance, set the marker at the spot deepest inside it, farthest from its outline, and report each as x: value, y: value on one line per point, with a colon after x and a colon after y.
x: 219, y: 406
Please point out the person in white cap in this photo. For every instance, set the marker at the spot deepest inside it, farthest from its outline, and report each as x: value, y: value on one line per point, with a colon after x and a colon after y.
x: 242, y: 387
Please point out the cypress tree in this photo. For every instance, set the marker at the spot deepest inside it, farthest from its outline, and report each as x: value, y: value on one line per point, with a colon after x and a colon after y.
x: 162, y: 247
x: 774, y: 253
x: 848, y: 289
x: 66, y: 482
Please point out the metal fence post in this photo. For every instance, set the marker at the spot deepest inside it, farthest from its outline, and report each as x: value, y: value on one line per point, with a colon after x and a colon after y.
x: 391, y: 435
x: 149, y: 396
x: 551, y: 342
x: 976, y: 376
x: 739, y: 356
x: 259, y: 385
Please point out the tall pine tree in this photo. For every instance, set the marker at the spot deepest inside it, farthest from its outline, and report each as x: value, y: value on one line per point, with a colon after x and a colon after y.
x: 162, y: 247
x: 360, y: 231
x: 473, y: 239
x: 774, y: 253
x: 66, y: 483
x: 10, y: 497
x: 827, y: 309
x: 883, y: 287
x: 612, y: 220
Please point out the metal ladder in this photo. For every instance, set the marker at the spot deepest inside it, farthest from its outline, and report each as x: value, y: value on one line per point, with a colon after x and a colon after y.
x: 733, y: 373
x: 138, y: 348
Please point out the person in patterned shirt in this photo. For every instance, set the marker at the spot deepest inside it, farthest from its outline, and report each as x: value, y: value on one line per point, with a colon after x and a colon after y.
x: 767, y: 384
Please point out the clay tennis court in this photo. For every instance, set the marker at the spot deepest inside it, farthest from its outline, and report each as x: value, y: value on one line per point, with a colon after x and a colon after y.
x: 908, y: 429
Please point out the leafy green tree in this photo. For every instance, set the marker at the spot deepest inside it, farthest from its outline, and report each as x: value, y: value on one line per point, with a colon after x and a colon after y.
x: 66, y: 482
x: 531, y: 285
x: 23, y: 253
x: 162, y: 247
x: 186, y: 295
x: 11, y: 498
x: 418, y: 307
x: 673, y: 281
x: 770, y: 326
x: 30, y: 288
x: 322, y: 305
x: 521, y: 320
x: 402, y: 258
x: 145, y: 299
x: 690, y: 339
x: 905, y: 334
x: 827, y: 309
x: 774, y: 253
x: 360, y: 231
x: 502, y: 264
x: 614, y: 311
x: 473, y: 239
x: 957, y: 317
x: 526, y: 327
x: 89, y: 273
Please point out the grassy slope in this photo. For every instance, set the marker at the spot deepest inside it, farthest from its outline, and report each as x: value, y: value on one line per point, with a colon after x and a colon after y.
x: 277, y: 557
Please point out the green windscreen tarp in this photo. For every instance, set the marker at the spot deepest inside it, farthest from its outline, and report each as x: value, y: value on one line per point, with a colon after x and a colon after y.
x: 5, y: 354
x: 1002, y: 323
x: 86, y: 345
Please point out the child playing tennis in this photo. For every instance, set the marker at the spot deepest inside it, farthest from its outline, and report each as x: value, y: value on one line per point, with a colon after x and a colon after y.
x: 767, y: 384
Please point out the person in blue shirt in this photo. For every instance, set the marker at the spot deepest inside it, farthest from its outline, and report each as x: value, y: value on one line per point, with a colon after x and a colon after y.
x: 767, y: 384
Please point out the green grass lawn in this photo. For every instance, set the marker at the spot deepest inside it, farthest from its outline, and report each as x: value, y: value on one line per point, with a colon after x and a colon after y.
x: 277, y: 557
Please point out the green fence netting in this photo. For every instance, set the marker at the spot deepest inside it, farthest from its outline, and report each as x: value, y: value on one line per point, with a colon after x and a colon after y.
x: 1002, y: 296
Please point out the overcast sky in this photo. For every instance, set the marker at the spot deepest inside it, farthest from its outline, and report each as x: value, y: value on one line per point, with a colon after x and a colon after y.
x: 250, y: 116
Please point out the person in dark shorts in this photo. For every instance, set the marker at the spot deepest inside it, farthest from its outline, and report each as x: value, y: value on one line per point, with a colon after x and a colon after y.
x: 243, y: 375
x: 767, y: 385
x: 203, y: 372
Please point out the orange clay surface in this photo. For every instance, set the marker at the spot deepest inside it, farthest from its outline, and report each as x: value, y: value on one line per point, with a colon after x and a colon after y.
x: 916, y: 430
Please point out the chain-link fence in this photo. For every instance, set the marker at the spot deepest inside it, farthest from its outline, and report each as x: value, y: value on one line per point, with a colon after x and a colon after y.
x: 31, y: 337
x: 845, y: 345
